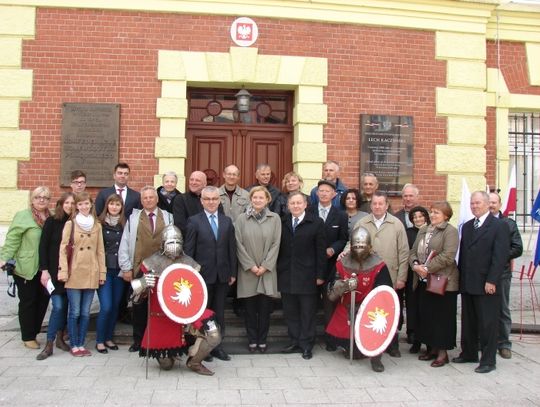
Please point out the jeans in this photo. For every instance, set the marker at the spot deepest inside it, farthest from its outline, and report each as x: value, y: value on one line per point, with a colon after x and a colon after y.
x: 57, y: 320
x: 110, y: 295
x: 80, y: 301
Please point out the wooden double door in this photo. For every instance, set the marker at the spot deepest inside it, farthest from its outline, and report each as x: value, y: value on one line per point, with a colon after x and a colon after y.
x: 217, y: 135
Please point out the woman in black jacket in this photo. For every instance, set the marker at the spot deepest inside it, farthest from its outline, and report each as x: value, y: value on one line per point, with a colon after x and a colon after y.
x: 49, y: 247
x: 110, y: 294
x: 167, y: 192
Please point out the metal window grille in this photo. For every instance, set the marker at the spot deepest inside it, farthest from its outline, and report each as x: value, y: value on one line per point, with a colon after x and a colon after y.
x: 524, y: 139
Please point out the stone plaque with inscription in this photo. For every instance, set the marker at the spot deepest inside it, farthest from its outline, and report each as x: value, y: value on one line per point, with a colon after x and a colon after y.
x: 387, y: 150
x: 90, y: 133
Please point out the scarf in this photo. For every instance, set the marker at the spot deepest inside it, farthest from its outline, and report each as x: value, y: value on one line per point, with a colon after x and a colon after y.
x: 40, y: 217
x: 112, y: 220
x: 86, y: 223
x: 169, y: 196
x: 250, y: 212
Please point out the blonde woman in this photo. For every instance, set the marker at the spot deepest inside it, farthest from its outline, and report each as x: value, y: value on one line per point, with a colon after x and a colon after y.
x: 22, y: 245
x: 87, y: 271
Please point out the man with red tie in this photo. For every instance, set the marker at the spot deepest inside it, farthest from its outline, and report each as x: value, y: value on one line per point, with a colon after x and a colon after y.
x: 131, y: 198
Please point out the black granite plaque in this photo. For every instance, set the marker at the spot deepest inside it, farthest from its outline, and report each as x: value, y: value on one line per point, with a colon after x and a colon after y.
x: 90, y: 133
x: 387, y: 150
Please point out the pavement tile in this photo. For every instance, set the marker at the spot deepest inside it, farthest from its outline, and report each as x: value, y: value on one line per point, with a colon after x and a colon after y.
x: 255, y: 372
x: 239, y: 383
x: 75, y: 395
x: 294, y: 371
x: 384, y: 394
x: 430, y: 393
x: 121, y: 396
x: 24, y: 371
x: 73, y: 382
x: 279, y: 383
x: 197, y: 382
x: 159, y: 382
x: 269, y: 361
x: 258, y: 397
x: 174, y: 397
x: 218, y: 396
x: 471, y: 392
x: 320, y: 382
x: 307, y: 396
x: 108, y: 382
x: 359, y: 382
x: 40, y: 396
x: 348, y: 395
x: 63, y: 370
x: 101, y: 371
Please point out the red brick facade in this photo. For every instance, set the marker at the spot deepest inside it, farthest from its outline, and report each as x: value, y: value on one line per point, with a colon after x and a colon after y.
x: 111, y: 57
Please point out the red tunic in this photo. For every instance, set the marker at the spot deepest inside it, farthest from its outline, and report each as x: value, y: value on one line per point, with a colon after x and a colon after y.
x: 339, y: 323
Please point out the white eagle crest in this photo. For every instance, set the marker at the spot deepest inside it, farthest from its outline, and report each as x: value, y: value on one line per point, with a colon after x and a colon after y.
x: 244, y: 31
x: 378, y: 320
x: 183, y: 292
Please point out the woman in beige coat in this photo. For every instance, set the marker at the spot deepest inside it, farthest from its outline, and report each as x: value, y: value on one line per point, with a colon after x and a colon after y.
x: 434, y: 251
x: 87, y: 270
x: 258, y: 233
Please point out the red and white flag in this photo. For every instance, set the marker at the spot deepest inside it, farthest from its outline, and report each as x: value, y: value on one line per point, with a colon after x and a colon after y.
x: 510, y: 199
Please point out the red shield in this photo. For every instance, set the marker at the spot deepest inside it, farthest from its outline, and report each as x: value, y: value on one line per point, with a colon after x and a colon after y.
x: 182, y: 293
x: 376, y: 321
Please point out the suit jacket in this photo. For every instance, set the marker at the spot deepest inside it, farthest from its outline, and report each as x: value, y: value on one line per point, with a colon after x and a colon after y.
x: 483, y: 254
x: 516, y: 244
x: 217, y: 258
x: 302, y: 255
x: 133, y: 200
x: 336, y: 228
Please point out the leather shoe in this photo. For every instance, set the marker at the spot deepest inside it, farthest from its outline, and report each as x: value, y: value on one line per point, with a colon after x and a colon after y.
x: 262, y: 348
x: 427, y: 356
x: 439, y: 362
x: 330, y: 347
x: 292, y: 348
x: 484, y: 369
x: 252, y: 348
x: 111, y: 347
x: 104, y: 350
x: 505, y: 353
x: 209, y: 358
x: 307, y: 354
x: 376, y: 365
x: 461, y: 359
x: 199, y: 368
x: 135, y: 347
x: 220, y: 354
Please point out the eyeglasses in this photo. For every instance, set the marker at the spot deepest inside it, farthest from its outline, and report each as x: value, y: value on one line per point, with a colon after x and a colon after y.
x: 210, y: 199
x: 78, y: 182
x: 42, y: 198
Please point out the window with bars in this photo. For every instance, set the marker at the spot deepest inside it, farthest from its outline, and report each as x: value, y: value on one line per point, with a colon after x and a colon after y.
x: 524, y: 140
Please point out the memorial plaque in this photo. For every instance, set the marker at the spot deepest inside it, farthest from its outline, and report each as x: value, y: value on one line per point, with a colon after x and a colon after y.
x: 90, y: 133
x: 387, y: 150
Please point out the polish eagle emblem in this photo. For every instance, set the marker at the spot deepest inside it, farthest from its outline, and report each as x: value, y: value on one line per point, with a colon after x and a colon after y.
x: 243, y: 31
x: 182, y: 291
x: 377, y: 320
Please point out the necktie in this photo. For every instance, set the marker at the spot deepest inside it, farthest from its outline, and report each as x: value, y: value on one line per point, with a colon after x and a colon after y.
x: 214, y: 225
x: 151, y: 219
x: 119, y: 191
x: 323, y: 212
x: 295, y: 224
x: 476, y: 223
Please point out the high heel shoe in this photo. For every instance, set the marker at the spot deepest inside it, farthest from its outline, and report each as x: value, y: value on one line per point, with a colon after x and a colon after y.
x: 102, y: 350
x: 111, y: 347
x: 440, y: 362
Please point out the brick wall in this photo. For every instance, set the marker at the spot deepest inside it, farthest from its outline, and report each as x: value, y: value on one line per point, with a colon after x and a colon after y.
x: 111, y: 57
x: 513, y: 60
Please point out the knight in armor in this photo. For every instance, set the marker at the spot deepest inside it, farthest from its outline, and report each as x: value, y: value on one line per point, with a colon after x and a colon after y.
x: 164, y: 338
x: 371, y: 272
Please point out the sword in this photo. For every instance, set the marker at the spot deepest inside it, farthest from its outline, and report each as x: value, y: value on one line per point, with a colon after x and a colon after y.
x: 351, y: 318
x: 148, y: 329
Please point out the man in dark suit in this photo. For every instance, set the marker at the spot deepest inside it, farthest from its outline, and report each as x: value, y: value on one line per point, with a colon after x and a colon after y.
x: 483, y: 253
x: 189, y: 204
x: 263, y: 174
x: 301, y: 269
x: 336, y: 228
x: 131, y: 198
x: 516, y: 249
x: 211, y: 242
x: 409, y: 199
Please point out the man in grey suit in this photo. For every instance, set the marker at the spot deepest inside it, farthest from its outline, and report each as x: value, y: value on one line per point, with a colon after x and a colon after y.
x: 483, y: 253
x: 210, y: 241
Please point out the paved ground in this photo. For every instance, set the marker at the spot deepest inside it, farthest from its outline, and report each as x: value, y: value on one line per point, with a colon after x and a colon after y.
x: 261, y: 380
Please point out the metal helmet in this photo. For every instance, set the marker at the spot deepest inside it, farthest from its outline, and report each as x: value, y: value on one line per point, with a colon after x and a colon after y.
x: 360, y: 241
x: 172, y: 242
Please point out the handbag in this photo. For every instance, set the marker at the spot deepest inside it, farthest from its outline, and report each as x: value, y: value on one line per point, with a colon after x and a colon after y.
x: 436, y: 283
x: 69, y: 249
